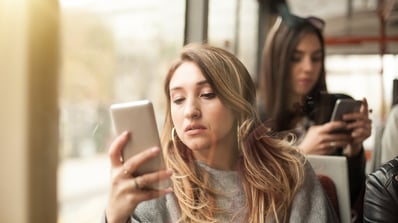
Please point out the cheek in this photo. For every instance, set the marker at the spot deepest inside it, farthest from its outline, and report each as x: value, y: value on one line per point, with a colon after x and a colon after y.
x: 176, y: 118
x: 226, y: 118
x: 317, y: 72
x: 292, y: 80
x: 293, y: 73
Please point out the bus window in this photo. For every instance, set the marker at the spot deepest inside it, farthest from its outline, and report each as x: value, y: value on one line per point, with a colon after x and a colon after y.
x: 112, y: 51
x: 233, y: 26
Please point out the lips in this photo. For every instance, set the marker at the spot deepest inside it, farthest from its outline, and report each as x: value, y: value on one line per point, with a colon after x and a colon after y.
x: 305, y: 80
x: 192, y: 127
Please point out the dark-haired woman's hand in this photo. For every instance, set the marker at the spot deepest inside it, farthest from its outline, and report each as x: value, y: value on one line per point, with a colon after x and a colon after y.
x: 323, y: 139
x: 361, y: 128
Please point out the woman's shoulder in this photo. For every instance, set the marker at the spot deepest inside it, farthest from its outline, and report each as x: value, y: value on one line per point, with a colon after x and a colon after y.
x: 310, y: 203
x: 162, y: 209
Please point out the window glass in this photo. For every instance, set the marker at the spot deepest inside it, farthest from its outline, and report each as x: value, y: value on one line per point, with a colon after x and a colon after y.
x: 233, y: 26
x: 112, y: 51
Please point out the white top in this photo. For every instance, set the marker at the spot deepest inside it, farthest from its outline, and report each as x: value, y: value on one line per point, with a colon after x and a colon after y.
x: 389, y: 140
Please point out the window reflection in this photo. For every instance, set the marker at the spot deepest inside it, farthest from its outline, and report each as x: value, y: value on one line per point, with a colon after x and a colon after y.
x: 112, y: 51
x: 233, y: 26
x: 116, y: 51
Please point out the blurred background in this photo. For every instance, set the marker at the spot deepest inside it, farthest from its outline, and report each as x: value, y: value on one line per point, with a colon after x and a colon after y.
x: 117, y: 51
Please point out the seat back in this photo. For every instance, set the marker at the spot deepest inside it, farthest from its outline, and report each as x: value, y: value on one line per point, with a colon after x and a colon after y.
x: 335, y: 167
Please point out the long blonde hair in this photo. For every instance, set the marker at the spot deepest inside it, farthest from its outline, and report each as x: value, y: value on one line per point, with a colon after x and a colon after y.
x: 270, y: 170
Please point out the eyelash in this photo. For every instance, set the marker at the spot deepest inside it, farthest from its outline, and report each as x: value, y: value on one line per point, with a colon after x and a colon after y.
x: 208, y: 96
x: 296, y: 59
x: 178, y: 101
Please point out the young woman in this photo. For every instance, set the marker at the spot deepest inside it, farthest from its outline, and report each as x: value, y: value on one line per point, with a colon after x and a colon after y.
x: 223, y: 165
x: 295, y: 102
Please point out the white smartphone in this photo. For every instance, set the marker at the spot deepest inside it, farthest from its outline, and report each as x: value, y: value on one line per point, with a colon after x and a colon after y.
x: 138, y: 118
x: 344, y: 106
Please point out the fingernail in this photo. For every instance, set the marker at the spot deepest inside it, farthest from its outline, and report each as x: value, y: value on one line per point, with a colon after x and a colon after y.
x: 168, y: 190
x: 170, y: 171
x: 155, y: 149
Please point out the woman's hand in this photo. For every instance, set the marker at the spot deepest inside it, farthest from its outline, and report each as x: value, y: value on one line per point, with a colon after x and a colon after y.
x: 323, y: 139
x: 360, y: 126
x: 126, y: 191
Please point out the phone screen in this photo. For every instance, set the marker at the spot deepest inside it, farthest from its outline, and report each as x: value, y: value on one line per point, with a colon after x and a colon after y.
x: 342, y: 107
x: 345, y: 106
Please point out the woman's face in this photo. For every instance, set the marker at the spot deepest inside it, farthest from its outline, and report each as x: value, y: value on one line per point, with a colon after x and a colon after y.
x: 201, y: 120
x: 306, y: 64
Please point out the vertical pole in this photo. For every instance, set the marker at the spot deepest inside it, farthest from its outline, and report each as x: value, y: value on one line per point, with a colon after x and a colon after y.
x: 196, y: 21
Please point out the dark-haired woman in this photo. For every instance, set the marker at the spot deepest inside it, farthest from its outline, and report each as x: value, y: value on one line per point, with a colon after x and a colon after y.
x: 295, y: 101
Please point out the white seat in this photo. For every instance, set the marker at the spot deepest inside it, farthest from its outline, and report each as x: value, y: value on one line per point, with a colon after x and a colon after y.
x: 335, y: 167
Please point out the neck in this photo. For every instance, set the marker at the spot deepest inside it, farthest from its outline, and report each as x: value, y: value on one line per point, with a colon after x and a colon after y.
x: 295, y: 100
x: 221, y: 158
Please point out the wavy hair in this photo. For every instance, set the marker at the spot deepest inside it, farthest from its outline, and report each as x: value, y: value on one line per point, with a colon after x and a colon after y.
x: 263, y: 161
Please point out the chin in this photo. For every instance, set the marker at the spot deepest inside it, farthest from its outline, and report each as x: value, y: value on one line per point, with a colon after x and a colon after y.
x: 196, y: 145
x: 303, y: 92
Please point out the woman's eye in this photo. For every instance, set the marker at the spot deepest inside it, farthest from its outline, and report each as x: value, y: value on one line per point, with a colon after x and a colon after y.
x: 178, y: 100
x: 208, y: 95
x: 316, y: 58
x: 295, y: 59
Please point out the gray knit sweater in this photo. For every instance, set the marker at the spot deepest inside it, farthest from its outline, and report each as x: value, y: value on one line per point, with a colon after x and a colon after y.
x: 309, y: 205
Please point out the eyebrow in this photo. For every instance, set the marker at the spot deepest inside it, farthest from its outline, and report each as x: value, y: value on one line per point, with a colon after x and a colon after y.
x: 200, y: 83
x: 300, y: 51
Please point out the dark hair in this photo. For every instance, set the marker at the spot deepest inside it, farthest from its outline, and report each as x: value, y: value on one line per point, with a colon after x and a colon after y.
x: 280, y: 44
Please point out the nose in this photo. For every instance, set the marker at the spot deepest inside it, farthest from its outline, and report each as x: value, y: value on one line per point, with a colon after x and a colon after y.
x: 192, y: 109
x: 307, y: 63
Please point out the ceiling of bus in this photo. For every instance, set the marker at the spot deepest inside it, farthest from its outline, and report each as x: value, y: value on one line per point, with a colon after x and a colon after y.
x: 354, y: 26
